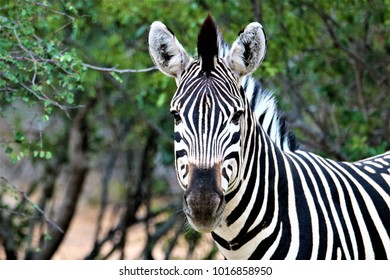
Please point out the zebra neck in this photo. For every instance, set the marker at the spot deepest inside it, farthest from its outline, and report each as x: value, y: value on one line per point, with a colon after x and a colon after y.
x: 285, y: 208
x: 253, y: 209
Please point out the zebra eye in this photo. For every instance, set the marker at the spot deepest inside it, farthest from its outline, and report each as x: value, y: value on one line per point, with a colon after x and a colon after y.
x: 176, y: 116
x: 236, y: 117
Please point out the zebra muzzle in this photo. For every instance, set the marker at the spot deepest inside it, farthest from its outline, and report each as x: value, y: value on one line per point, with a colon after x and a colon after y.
x: 204, y: 201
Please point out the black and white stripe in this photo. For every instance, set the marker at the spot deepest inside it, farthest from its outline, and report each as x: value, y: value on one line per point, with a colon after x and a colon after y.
x: 244, y: 178
x: 297, y: 205
x: 264, y: 106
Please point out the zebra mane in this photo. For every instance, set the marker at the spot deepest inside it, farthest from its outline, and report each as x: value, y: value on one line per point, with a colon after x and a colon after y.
x: 208, y: 44
x: 264, y: 105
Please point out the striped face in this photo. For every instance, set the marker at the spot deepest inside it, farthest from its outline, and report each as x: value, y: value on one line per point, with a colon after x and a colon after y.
x: 209, y: 110
x: 207, y: 114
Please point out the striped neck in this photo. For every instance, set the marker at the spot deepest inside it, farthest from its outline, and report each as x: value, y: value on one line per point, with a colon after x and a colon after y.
x: 260, y: 184
x: 297, y: 205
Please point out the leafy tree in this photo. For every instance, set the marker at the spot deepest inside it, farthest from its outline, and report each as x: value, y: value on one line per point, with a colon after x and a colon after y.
x: 36, y: 69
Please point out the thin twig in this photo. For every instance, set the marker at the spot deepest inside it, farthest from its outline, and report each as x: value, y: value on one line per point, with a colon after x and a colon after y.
x: 42, y: 98
x: 30, y: 53
x: 114, y: 69
x: 6, y: 183
x: 330, y: 23
x: 46, y: 98
x: 72, y: 19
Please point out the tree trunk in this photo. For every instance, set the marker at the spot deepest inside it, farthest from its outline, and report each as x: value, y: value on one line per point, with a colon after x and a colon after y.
x: 78, y: 169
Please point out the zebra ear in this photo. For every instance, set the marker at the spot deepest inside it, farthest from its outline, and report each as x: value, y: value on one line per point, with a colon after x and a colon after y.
x: 248, y: 51
x: 165, y: 50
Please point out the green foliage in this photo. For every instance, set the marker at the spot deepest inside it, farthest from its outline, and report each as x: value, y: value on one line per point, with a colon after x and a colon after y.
x: 330, y: 61
x: 37, y: 68
x: 14, y: 203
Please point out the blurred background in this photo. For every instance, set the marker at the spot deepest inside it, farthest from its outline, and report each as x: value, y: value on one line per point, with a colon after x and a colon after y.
x: 86, y: 146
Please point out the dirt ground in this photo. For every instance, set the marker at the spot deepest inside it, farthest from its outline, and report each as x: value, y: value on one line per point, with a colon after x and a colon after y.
x: 78, y: 241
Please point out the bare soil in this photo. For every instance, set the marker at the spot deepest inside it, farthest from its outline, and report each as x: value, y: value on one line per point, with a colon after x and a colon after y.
x: 78, y: 241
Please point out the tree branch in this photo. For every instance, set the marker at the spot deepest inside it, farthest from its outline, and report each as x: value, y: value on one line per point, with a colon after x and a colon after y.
x: 78, y: 147
x: 329, y: 24
x: 5, y: 183
x: 121, y: 71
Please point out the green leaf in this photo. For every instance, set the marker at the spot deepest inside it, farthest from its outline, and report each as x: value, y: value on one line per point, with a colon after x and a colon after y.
x: 8, y: 150
x: 19, y: 137
x: 70, y: 98
x: 48, y: 155
x: 116, y: 77
x: 161, y: 100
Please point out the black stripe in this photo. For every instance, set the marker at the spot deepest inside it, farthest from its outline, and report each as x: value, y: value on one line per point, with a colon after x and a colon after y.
x: 321, y: 217
x: 304, y: 215
x: 180, y: 153
x: 177, y: 137
x: 337, y: 204
x: 222, y: 242
x: 269, y: 127
x: 383, y: 211
x: 351, y: 213
x: 282, y: 250
x: 233, y: 193
x: 255, y: 96
x: 261, y: 118
x: 265, y: 245
x: 324, y: 197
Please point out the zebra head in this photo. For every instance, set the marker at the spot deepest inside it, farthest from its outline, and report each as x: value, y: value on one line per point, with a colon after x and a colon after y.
x: 209, y: 110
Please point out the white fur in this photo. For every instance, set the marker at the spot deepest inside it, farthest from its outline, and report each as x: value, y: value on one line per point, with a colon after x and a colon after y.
x: 160, y: 36
x: 253, y: 37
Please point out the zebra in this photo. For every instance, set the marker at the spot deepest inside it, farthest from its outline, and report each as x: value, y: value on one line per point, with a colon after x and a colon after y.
x: 245, y: 180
